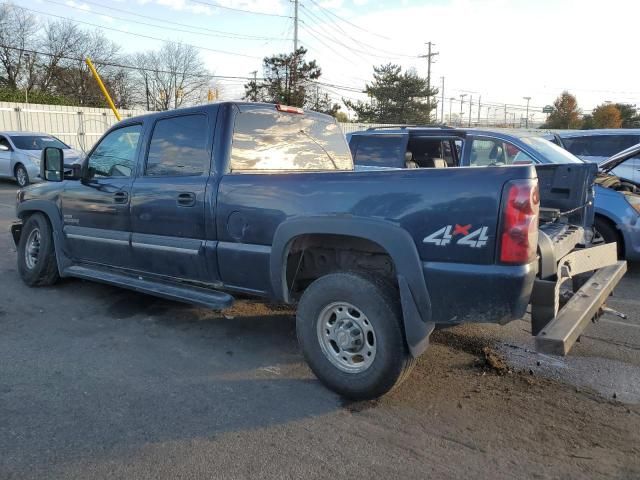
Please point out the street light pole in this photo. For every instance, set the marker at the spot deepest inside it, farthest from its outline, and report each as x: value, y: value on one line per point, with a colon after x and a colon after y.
x: 527, y: 117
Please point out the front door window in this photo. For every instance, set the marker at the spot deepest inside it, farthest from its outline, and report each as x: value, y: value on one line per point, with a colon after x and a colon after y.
x: 115, y: 155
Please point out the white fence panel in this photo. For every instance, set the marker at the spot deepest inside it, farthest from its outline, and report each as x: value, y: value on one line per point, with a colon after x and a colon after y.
x: 80, y: 127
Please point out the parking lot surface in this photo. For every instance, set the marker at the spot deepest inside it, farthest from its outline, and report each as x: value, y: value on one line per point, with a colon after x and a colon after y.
x: 99, y: 382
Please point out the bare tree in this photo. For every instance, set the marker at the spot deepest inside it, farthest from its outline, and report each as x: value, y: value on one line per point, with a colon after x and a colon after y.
x: 61, y: 39
x: 18, y: 30
x: 172, y: 76
x: 74, y: 80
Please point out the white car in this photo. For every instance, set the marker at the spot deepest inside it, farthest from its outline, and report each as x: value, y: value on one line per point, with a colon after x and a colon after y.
x: 20, y: 155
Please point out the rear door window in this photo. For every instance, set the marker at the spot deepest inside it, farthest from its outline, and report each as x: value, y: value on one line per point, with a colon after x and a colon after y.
x: 269, y: 140
x: 381, y: 150
x: 179, y: 147
x: 487, y: 152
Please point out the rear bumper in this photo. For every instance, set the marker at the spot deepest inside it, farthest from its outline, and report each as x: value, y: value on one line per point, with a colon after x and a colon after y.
x: 463, y: 293
x: 557, y: 329
x: 559, y: 335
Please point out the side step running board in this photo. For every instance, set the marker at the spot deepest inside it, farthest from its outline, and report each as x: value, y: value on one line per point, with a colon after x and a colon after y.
x: 559, y: 335
x: 196, y: 295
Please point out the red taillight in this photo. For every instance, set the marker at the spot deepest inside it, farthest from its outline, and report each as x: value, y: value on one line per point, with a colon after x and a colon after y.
x: 288, y: 109
x: 519, y: 237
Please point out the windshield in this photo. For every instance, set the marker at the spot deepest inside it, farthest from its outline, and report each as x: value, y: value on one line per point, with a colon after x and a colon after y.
x: 36, y: 142
x: 550, y: 151
x: 266, y: 139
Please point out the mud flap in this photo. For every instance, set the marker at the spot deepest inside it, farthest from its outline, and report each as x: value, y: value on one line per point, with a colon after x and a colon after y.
x: 16, y: 230
x: 416, y: 330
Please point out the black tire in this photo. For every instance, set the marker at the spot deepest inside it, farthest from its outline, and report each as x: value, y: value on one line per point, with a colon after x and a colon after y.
x: 608, y: 233
x: 380, y: 306
x: 21, y: 175
x: 43, y: 270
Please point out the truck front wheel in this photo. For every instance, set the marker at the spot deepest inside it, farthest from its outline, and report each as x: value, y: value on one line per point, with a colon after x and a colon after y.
x: 349, y: 327
x: 36, y: 254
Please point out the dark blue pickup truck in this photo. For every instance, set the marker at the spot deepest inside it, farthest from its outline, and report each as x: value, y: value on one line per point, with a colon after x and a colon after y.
x: 201, y: 203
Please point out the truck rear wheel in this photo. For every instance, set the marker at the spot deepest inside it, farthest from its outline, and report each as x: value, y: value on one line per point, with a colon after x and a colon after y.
x: 349, y: 327
x: 36, y: 254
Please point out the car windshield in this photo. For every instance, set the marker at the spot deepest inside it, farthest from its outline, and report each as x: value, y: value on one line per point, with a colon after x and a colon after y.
x: 550, y: 151
x: 36, y: 142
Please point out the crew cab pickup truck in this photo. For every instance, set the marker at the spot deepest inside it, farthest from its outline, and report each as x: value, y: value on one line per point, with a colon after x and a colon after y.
x: 197, y: 204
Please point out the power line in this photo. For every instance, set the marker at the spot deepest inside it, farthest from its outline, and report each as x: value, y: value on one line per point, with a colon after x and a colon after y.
x: 224, y: 52
x: 217, y: 5
x: 332, y: 49
x: 125, y: 66
x: 331, y: 38
x: 340, y: 31
x: 347, y: 21
x: 218, y: 33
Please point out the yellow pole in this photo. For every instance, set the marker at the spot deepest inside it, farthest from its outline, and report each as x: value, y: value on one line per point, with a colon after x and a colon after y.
x: 102, y: 87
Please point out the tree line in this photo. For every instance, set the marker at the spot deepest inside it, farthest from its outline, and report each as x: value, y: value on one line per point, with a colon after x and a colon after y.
x: 44, y: 63
x: 567, y: 115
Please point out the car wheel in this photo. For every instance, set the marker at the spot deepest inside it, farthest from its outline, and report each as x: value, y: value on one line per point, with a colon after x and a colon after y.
x: 36, y: 253
x: 22, y: 176
x: 604, y: 232
x: 349, y: 327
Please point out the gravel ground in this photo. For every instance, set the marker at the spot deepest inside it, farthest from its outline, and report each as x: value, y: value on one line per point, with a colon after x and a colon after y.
x: 98, y: 382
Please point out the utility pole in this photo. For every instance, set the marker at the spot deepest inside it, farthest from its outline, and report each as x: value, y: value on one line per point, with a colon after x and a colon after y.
x: 254, y: 95
x: 527, y: 118
x: 450, y: 104
x: 442, y: 102
x: 429, y: 56
x: 295, y: 25
x: 470, y: 105
x: 479, y: 98
x: 462, y: 95
x: 505, y: 114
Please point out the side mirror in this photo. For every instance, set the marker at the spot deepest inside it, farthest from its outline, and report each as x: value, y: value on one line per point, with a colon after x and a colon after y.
x: 73, y: 171
x: 52, y: 164
x: 3, y: 148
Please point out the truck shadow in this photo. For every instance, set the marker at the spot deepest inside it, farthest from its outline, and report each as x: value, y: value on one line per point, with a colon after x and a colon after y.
x: 127, y: 369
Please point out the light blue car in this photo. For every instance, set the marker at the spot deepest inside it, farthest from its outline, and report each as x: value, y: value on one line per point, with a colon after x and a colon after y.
x: 20, y: 155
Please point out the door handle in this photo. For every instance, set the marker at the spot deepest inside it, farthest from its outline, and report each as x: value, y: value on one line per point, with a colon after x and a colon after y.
x: 186, y: 199
x: 120, y: 197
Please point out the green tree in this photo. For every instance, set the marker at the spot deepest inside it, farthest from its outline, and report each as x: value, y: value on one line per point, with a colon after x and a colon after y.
x: 566, y: 113
x: 606, y: 116
x: 286, y: 77
x: 396, y: 97
x: 629, y: 115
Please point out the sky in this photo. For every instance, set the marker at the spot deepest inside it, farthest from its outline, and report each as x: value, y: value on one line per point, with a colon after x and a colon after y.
x: 497, y: 50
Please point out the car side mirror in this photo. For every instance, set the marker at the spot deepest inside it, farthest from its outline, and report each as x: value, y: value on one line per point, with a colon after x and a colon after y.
x: 52, y: 164
x: 73, y: 171
x: 3, y: 148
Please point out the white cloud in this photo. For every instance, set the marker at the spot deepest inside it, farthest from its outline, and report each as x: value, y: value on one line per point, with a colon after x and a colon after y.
x: 80, y: 6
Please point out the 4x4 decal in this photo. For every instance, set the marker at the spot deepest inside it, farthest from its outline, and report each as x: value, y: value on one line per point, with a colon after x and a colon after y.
x: 444, y: 236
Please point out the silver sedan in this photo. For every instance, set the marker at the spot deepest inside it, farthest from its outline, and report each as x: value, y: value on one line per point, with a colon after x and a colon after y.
x: 20, y: 155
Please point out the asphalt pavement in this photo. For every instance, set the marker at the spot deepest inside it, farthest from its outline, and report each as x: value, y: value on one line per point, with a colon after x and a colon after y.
x: 100, y: 382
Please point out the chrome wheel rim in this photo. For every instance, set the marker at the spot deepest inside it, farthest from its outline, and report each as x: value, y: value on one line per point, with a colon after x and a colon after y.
x: 21, y: 177
x: 346, y: 337
x: 32, y: 249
